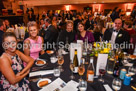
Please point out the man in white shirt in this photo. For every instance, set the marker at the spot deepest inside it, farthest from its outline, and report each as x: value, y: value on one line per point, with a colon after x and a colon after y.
x: 117, y: 34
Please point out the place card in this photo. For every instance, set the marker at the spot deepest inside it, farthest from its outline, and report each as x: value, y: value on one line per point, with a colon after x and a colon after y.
x: 107, y: 87
x: 37, y: 73
x: 102, y: 59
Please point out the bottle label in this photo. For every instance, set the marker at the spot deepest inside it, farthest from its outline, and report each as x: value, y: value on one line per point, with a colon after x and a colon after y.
x: 90, y: 77
x: 75, y: 70
x: 116, y: 72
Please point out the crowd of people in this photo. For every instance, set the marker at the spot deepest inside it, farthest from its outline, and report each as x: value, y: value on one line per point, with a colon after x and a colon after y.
x: 66, y: 27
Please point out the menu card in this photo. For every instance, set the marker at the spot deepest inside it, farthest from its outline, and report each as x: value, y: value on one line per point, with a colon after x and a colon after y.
x: 60, y: 85
x: 56, y: 85
x: 101, y: 60
x: 71, y: 86
x: 77, y: 46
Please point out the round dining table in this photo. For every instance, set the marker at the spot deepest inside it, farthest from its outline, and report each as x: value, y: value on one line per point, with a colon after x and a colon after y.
x: 65, y: 75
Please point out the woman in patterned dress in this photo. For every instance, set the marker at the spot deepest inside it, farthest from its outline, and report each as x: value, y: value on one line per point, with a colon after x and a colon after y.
x: 12, y: 72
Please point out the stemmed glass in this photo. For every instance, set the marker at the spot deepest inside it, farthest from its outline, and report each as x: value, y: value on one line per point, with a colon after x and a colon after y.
x: 81, y: 70
x: 60, y: 62
x: 102, y: 71
x: 116, y: 84
x: 72, y: 69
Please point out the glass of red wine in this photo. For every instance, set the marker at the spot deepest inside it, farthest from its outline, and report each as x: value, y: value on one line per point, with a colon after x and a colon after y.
x: 102, y: 71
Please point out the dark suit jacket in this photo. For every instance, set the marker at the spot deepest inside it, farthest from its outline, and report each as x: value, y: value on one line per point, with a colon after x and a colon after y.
x: 51, y: 34
x: 89, y: 25
x: 64, y: 34
x: 122, y: 36
x: 1, y: 48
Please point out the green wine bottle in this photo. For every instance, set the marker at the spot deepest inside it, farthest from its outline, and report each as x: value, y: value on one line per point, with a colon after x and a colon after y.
x: 75, y: 62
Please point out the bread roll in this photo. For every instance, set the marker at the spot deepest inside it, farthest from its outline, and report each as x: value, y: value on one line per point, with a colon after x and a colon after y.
x: 48, y: 52
x: 43, y: 83
x: 40, y: 62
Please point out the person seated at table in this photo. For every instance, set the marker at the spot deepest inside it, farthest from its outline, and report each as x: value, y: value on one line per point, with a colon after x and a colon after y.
x: 128, y: 27
x: 117, y: 35
x: 33, y: 44
x: 82, y: 34
x: 97, y: 33
x: 1, y: 34
x: 12, y: 72
x: 51, y: 33
x: 68, y: 34
x: 7, y: 24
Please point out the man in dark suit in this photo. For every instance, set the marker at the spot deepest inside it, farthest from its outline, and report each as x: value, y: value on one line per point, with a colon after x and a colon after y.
x: 117, y: 35
x: 1, y: 35
x: 51, y: 33
x: 89, y: 25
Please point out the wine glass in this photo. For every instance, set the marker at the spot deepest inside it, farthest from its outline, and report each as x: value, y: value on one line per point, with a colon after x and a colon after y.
x: 116, y: 84
x: 60, y: 62
x: 82, y: 85
x: 72, y: 69
x: 81, y: 70
x: 102, y: 71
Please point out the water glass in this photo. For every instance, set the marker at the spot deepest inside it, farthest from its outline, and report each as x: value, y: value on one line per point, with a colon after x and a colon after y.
x: 116, y: 84
x: 82, y: 85
x: 53, y: 59
x: 131, y: 71
x: 57, y: 72
x: 110, y: 66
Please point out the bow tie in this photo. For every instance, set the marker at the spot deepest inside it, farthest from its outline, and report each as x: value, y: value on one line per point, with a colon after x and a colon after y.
x: 115, y: 31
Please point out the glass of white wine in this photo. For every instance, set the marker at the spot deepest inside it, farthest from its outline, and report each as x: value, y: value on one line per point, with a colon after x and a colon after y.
x: 60, y: 62
x: 72, y: 69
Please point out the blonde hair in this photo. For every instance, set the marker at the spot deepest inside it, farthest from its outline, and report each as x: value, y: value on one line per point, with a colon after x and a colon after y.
x: 31, y: 23
x: 69, y: 22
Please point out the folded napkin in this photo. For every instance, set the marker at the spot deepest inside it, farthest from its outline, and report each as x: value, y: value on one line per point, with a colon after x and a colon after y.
x: 45, y: 72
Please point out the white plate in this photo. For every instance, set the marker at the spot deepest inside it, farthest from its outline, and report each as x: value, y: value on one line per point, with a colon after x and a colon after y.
x: 51, y: 52
x: 49, y: 81
x: 40, y: 64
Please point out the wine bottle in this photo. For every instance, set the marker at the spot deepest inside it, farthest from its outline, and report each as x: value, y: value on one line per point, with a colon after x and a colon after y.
x: 90, y: 71
x: 116, y: 69
x: 75, y: 62
x: 120, y: 58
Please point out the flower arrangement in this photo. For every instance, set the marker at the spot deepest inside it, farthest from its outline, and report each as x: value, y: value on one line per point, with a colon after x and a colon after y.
x: 101, y: 47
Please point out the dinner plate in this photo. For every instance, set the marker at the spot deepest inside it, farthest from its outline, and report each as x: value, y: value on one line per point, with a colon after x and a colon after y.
x: 132, y: 57
x: 49, y: 81
x: 49, y: 51
x: 44, y: 62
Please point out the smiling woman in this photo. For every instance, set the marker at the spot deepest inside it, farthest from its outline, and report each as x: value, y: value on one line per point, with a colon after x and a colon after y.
x: 67, y: 35
x: 83, y: 34
x: 12, y: 71
x: 34, y: 40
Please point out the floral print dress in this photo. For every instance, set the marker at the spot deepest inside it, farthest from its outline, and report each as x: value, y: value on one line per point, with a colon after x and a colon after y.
x: 17, y: 66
